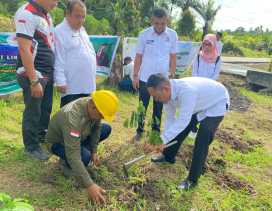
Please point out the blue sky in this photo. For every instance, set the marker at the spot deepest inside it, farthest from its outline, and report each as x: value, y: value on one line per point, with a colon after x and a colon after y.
x: 246, y: 13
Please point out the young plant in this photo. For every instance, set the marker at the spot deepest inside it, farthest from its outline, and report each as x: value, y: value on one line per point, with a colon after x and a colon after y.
x: 9, y: 204
x: 152, y: 137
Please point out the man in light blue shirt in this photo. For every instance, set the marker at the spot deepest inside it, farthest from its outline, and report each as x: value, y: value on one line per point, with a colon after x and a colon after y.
x: 186, y: 102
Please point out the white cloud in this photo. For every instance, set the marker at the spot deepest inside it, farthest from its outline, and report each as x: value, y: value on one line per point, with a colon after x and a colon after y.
x: 245, y: 13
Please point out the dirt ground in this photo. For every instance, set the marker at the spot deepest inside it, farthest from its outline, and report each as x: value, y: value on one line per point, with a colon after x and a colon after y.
x: 236, y: 143
x: 238, y: 102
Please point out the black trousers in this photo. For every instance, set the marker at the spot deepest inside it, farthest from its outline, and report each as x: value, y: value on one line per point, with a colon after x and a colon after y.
x: 204, y: 138
x: 37, y: 112
x: 144, y: 97
x: 59, y: 149
x: 69, y: 98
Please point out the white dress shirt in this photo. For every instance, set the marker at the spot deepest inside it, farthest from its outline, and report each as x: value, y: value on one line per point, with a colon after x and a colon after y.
x: 128, y: 70
x: 75, y: 64
x: 192, y: 95
x: 156, y: 49
x: 205, y: 69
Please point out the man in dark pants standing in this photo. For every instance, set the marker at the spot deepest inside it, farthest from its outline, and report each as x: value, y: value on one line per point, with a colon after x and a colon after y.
x: 34, y: 32
x: 196, y: 99
x: 156, y: 53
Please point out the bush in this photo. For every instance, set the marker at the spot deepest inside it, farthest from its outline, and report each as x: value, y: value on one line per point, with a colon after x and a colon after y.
x: 95, y: 26
x: 186, y: 24
x: 230, y: 47
x: 9, y: 204
x: 6, y: 24
x: 57, y: 15
x: 4, y: 9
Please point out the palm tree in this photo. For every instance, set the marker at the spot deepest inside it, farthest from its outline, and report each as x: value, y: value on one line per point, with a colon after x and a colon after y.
x: 185, y: 4
x: 207, y: 11
x: 171, y: 4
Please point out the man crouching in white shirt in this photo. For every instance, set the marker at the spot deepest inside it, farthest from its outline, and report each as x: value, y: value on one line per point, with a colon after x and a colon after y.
x: 75, y: 65
x: 186, y: 101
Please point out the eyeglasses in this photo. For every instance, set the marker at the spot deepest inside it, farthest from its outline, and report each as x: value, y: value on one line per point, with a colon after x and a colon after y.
x: 207, y: 44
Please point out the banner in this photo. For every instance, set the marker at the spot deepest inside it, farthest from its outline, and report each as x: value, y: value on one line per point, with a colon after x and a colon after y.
x: 105, y: 48
x: 8, y: 59
x: 186, y: 52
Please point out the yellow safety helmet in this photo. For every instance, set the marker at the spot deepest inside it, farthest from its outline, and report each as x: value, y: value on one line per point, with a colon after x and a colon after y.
x: 106, y: 103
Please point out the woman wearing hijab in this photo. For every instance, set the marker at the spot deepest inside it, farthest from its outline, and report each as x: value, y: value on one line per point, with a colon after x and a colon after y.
x: 208, y: 62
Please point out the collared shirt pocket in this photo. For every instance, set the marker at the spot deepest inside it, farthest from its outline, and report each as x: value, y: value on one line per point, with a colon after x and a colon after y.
x: 149, y: 46
x: 74, y: 44
x: 165, y: 47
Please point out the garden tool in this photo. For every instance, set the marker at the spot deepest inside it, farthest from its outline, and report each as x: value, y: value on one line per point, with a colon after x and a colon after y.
x: 128, y: 164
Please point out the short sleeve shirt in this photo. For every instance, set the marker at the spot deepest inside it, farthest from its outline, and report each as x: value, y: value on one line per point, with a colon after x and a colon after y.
x: 156, y: 49
x: 34, y: 23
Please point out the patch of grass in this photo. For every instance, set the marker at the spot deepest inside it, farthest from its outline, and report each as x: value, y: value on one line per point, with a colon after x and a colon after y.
x: 149, y: 187
x: 259, y: 157
x: 50, y: 200
x: 258, y: 98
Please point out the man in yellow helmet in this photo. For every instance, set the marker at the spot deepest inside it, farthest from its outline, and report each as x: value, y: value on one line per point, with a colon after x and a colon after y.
x: 75, y: 131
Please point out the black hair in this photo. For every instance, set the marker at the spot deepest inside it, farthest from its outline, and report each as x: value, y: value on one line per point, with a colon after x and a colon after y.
x: 156, y: 80
x: 220, y: 34
x: 127, y: 59
x: 72, y: 3
x: 159, y: 13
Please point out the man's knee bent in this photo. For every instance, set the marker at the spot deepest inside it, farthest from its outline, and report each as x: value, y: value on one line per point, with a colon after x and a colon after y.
x: 105, y: 131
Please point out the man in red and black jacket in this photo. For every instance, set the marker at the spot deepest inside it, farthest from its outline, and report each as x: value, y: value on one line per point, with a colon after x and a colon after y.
x: 34, y: 32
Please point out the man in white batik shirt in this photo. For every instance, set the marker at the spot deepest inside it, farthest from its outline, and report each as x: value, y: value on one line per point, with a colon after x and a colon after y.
x: 75, y: 65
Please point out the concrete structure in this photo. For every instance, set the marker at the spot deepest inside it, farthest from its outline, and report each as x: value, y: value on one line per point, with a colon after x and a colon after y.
x: 259, y: 79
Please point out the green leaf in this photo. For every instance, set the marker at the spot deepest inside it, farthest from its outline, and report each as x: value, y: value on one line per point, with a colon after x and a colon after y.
x: 132, y: 119
x: 141, y: 108
x: 22, y: 206
x: 136, y: 118
x: 4, y: 197
x: 126, y: 123
x: 7, y: 204
x: 154, y: 138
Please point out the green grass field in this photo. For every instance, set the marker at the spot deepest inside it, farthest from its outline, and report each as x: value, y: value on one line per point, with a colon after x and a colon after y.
x: 238, y: 175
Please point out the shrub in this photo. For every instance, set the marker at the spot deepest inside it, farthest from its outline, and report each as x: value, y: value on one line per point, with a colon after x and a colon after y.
x: 230, y: 47
x: 6, y: 24
x: 9, y: 204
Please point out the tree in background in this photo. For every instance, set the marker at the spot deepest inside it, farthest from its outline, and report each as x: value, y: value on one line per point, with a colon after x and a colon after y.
x: 97, y: 27
x: 6, y: 24
x: 126, y: 17
x: 208, y: 12
x: 185, y: 4
x: 11, y: 6
x: 186, y: 25
x: 168, y: 5
x: 57, y: 15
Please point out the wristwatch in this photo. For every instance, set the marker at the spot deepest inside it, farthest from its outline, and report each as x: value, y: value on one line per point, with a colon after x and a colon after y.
x: 34, y: 82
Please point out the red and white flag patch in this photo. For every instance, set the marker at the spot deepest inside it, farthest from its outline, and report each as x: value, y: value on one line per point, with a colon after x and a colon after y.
x: 75, y: 133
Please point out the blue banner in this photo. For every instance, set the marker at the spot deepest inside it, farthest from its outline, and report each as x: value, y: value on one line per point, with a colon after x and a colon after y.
x: 105, y: 48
